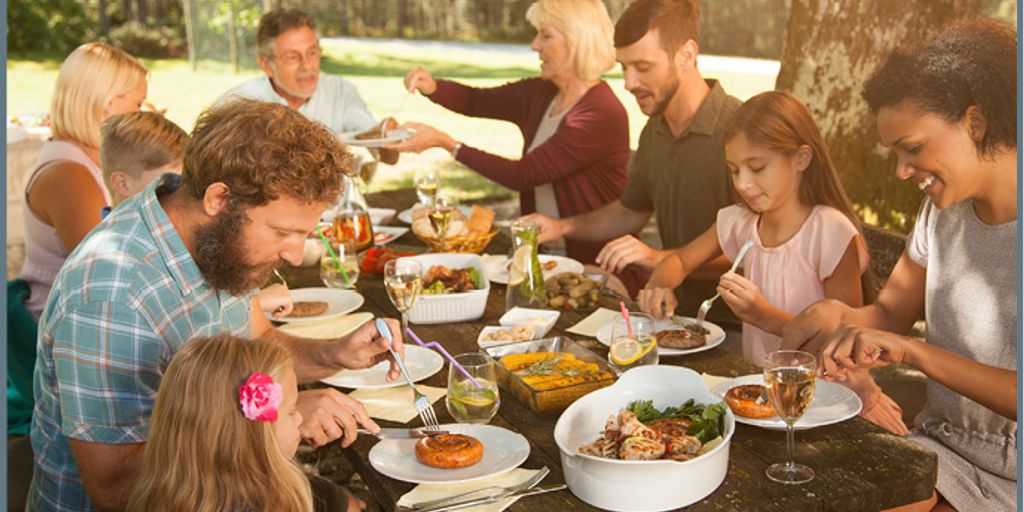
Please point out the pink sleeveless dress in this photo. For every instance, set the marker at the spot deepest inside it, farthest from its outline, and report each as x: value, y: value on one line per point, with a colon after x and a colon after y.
x: 44, y: 252
x: 792, y: 276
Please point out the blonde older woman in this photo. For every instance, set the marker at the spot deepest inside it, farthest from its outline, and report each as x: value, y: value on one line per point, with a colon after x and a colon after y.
x: 575, y: 130
x: 65, y: 192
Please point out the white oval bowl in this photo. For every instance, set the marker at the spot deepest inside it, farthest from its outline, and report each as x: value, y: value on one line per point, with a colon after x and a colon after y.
x: 624, y: 485
x: 451, y: 307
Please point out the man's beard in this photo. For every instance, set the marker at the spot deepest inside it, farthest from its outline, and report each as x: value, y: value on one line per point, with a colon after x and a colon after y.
x: 220, y: 254
x: 668, y: 92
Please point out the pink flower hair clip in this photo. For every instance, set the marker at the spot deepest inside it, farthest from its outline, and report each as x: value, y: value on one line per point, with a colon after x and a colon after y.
x: 260, y: 397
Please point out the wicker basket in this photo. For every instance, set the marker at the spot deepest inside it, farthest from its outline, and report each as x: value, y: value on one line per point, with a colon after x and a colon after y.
x: 471, y: 243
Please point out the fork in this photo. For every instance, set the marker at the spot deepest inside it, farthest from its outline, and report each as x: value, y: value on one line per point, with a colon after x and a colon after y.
x: 492, y: 490
x: 423, y: 405
x: 706, y: 305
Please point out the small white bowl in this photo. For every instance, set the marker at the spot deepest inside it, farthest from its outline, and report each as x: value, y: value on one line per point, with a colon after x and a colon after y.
x: 490, y: 343
x: 542, y: 320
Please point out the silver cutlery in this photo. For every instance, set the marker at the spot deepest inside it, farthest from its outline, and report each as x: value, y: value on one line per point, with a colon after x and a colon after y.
x: 423, y: 405
x: 706, y: 305
x: 488, y: 491
x: 403, y: 433
x: 489, y: 499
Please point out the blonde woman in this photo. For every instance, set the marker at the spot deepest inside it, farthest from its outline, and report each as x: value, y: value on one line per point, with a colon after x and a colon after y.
x: 232, y: 450
x: 65, y: 192
x: 575, y: 130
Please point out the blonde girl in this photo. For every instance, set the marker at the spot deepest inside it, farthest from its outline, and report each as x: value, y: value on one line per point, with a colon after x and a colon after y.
x: 224, y: 431
x: 806, y: 242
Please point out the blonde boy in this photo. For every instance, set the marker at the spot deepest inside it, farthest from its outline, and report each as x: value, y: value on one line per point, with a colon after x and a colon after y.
x: 137, y: 148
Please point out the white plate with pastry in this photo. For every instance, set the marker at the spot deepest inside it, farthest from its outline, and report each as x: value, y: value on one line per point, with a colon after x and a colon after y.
x: 832, y: 403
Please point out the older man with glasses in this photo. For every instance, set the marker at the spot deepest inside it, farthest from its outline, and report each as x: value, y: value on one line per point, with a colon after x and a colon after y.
x: 288, y: 51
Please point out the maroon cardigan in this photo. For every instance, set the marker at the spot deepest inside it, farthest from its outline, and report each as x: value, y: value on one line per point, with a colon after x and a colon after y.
x: 584, y: 160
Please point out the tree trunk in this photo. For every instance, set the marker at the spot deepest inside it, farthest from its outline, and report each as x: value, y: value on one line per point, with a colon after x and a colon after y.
x: 832, y: 47
x: 188, y: 12
x: 233, y: 36
x: 104, y: 17
x: 142, y: 11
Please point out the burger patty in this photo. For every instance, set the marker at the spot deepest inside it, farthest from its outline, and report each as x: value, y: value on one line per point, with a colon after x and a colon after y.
x: 680, y: 338
x: 308, y: 308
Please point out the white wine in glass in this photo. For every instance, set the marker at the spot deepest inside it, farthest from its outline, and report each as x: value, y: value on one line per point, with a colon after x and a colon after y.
x: 790, y: 376
x: 402, y: 282
x: 441, y: 216
x: 428, y: 182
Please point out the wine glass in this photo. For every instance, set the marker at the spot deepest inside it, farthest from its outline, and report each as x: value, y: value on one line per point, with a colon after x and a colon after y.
x: 441, y: 215
x: 466, y: 402
x: 402, y: 281
x: 633, y: 343
x: 789, y: 376
x: 428, y: 182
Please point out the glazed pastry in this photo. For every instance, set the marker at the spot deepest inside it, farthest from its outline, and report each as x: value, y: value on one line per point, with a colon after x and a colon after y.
x: 449, y: 451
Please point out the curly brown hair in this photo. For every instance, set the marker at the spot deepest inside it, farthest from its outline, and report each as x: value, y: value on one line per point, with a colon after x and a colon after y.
x: 968, y: 62
x: 263, y: 151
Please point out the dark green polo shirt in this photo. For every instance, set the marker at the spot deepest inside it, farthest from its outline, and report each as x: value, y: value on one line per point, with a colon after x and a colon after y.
x: 684, y: 180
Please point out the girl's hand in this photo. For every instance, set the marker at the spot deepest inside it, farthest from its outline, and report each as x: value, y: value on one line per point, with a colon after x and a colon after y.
x: 328, y: 414
x: 813, y: 327
x: 419, y: 79
x: 743, y: 297
x: 658, y: 302
x: 276, y: 299
x: 426, y: 137
x: 853, y: 347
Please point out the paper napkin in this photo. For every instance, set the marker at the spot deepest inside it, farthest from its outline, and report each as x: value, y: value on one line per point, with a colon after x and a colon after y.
x: 395, y: 403
x: 429, y: 492
x: 327, y: 329
x: 713, y: 380
x: 598, y: 319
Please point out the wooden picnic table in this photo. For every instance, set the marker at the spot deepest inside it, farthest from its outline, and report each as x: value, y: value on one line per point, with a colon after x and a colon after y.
x: 858, y: 466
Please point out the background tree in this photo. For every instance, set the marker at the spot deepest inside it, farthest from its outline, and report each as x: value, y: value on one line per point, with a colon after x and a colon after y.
x: 831, y: 48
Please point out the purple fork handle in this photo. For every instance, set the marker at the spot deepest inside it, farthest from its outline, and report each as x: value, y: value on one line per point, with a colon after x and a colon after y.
x: 439, y: 348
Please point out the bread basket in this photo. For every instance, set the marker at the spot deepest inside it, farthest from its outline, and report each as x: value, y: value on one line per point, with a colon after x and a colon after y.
x: 472, y: 242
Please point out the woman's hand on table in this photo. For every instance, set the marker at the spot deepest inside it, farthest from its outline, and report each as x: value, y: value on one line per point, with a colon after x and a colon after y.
x: 419, y: 79
x: 854, y: 347
x: 365, y: 347
x: 424, y: 138
x: 328, y: 414
x: 813, y: 327
x: 657, y: 301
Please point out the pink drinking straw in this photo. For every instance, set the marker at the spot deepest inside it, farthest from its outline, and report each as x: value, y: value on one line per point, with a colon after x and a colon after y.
x: 625, y: 315
x: 436, y: 345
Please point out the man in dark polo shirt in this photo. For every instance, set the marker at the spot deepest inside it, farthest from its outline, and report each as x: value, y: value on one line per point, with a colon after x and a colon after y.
x: 679, y: 170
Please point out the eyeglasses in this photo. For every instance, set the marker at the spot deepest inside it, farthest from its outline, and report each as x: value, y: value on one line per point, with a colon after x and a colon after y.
x: 293, y: 58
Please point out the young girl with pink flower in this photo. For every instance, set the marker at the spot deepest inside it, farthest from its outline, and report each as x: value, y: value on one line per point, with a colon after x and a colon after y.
x: 224, y: 432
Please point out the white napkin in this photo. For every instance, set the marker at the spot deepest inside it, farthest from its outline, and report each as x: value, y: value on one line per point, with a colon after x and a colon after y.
x: 713, y: 380
x: 395, y: 403
x: 429, y: 492
x: 327, y: 329
x: 591, y: 324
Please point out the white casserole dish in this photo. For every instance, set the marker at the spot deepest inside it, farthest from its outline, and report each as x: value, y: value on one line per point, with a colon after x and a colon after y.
x: 450, y: 307
x: 624, y: 485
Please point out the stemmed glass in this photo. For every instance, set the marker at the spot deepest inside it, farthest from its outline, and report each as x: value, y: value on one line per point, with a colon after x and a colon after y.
x: 441, y: 215
x: 790, y: 376
x: 402, y: 281
x: 633, y: 343
x: 466, y: 402
x: 428, y: 182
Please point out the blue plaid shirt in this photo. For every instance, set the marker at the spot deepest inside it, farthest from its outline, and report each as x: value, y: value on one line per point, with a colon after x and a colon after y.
x: 123, y: 303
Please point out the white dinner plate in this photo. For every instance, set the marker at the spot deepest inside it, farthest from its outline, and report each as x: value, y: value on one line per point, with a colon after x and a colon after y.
x: 420, y: 362
x: 497, y: 268
x: 406, y: 215
x: 832, y: 403
x: 392, y: 136
x: 715, y: 335
x: 338, y: 302
x: 504, y: 451
x: 383, y: 235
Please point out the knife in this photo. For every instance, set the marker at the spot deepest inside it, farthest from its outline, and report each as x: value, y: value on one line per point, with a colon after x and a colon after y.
x: 403, y: 433
x: 487, y: 499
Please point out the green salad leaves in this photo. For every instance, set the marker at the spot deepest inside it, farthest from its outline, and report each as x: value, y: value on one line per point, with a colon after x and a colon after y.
x: 706, y: 421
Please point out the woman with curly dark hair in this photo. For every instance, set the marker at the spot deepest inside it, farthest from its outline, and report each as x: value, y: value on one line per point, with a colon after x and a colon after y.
x: 948, y: 109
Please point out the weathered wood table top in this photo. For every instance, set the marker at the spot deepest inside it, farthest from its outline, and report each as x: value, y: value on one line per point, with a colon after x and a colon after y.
x: 858, y: 466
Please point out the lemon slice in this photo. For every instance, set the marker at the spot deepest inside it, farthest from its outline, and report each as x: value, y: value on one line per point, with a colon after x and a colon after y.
x: 629, y: 351
x: 520, y: 265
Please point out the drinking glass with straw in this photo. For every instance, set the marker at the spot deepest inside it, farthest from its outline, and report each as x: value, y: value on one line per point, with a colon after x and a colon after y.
x: 331, y: 266
x: 402, y: 281
x: 632, y: 341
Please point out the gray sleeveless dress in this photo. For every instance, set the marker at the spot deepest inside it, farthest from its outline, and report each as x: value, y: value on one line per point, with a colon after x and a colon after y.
x: 971, y: 309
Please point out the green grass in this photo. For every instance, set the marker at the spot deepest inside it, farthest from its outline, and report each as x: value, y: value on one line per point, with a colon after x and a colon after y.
x: 376, y: 68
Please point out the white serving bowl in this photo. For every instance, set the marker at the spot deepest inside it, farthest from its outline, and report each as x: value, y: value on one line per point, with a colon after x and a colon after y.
x: 450, y: 307
x: 542, y: 320
x: 624, y: 485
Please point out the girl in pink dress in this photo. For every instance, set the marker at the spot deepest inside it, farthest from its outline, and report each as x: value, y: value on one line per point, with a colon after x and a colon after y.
x: 806, y: 245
